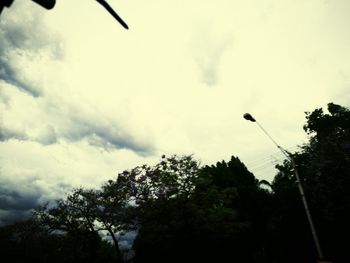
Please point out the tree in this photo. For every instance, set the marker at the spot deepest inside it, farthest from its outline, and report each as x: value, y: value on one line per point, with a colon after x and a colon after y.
x: 114, y: 210
x: 324, y: 167
x: 75, y: 217
x: 239, y: 207
x: 162, y: 194
x: 184, y: 212
x: 192, y: 214
x: 33, y: 242
x: 87, y: 213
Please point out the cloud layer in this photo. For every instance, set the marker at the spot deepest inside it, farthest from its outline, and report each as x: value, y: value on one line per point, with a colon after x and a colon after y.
x: 81, y: 98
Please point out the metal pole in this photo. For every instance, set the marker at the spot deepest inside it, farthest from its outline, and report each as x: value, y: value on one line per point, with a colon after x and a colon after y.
x: 308, y: 214
x: 301, y: 190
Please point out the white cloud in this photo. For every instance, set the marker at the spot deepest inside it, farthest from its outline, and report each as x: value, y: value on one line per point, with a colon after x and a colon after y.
x: 81, y: 98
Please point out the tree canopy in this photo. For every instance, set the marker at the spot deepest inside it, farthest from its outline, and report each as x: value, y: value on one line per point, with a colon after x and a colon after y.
x: 183, y: 211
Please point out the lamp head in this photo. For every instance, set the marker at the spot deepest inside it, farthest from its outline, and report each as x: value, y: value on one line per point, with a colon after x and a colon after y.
x: 249, y: 117
x: 48, y: 4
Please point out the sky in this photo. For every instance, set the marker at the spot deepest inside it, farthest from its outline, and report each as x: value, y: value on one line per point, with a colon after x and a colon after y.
x: 82, y: 99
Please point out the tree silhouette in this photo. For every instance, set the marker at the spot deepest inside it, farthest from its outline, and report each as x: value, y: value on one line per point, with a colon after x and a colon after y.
x: 185, y: 212
x: 324, y: 166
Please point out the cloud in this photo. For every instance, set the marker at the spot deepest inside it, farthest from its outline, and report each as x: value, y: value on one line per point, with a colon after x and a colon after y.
x: 100, y: 131
x: 46, y: 128
x: 49, y: 120
x: 24, y: 37
x: 40, y: 173
x: 207, y: 49
x: 16, y: 203
x: 81, y: 98
x: 126, y: 241
x: 10, y: 216
x: 10, y: 199
x: 8, y: 74
x: 7, y: 134
x: 27, y: 47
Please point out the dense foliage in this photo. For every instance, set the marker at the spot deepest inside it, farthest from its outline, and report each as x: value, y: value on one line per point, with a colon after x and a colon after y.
x: 185, y: 212
x: 324, y: 167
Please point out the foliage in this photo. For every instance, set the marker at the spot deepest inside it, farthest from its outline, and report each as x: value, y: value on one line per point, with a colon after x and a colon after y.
x: 185, y: 212
x: 90, y: 212
x: 324, y: 167
x: 30, y: 241
x: 205, y: 218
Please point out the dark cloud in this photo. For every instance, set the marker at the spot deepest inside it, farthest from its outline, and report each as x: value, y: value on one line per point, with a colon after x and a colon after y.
x: 7, y: 134
x: 11, y: 216
x: 8, y: 74
x: 126, y: 241
x: 19, y: 199
x: 13, y: 200
x: 105, y: 135
x: 110, y: 138
x: 16, y: 205
x: 47, y: 137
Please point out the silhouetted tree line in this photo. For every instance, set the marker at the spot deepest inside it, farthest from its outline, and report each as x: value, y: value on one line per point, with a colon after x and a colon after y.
x: 185, y: 212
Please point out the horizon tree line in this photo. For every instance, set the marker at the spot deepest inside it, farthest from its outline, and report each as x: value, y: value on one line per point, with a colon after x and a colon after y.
x: 183, y: 211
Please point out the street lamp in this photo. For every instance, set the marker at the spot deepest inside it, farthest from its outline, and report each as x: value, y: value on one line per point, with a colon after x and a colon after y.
x: 49, y: 4
x: 289, y: 156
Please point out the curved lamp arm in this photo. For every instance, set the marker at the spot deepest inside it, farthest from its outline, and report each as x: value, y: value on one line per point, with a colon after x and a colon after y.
x: 113, y: 13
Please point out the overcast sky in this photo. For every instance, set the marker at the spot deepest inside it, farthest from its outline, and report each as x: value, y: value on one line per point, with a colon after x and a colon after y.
x: 82, y: 99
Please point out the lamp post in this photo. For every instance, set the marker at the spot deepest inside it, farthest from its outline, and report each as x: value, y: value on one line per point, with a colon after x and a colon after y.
x: 289, y: 156
x: 49, y: 4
